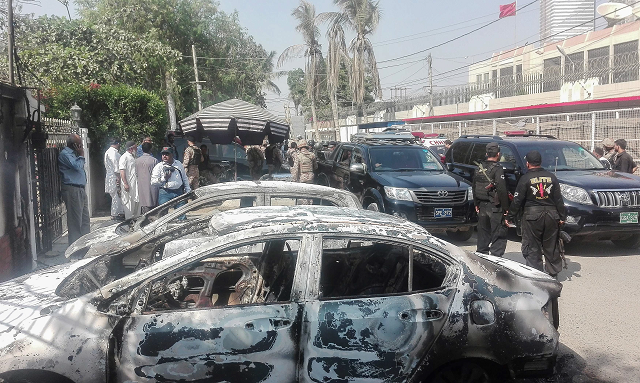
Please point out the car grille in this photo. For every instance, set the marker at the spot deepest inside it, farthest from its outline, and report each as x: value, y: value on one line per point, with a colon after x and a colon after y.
x: 425, y: 213
x: 435, y: 197
x: 618, y: 198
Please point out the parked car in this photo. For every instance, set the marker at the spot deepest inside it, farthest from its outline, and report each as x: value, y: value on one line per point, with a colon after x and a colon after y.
x: 601, y: 204
x: 201, y: 204
x: 309, y: 294
x: 392, y: 174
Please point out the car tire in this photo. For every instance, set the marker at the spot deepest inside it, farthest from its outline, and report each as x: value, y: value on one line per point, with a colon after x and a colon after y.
x: 323, y: 180
x: 461, y: 236
x: 373, y: 206
x: 463, y: 372
x: 633, y: 242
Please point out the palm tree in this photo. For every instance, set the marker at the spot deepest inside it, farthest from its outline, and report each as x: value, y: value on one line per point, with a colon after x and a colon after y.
x: 362, y: 18
x: 308, y: 27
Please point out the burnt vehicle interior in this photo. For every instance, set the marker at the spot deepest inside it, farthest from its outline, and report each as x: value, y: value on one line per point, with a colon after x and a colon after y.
x: 352, y: 268
x: 257, y: 273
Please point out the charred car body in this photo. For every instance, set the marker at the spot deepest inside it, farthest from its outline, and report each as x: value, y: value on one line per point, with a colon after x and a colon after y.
x: 309, y: 294
x: 392, y: 174
x: 200, y: 205
x: 601, y: 204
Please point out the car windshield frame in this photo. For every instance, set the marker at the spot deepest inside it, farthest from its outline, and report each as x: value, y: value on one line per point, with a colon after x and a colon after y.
x: 563, y: 163
x: 395, y: 165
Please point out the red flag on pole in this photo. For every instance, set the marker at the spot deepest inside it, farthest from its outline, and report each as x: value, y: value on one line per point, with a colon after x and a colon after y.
x: 508, y: 10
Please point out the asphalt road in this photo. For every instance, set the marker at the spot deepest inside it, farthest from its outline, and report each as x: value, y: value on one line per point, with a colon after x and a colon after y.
x: 599, y: 313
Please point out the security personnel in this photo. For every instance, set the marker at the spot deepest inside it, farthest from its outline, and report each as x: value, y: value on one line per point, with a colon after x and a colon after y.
x: 492, y: 201
x: 538, y: 192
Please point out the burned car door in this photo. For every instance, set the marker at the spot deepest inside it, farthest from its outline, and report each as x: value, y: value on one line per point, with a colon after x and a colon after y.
x: 381, y: 305
x: 228, y: 316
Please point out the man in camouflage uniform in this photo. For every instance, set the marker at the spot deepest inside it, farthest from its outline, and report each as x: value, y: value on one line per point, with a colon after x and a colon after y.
x: 255, y: 158
x: 304, y: 164
x: 191, y: 159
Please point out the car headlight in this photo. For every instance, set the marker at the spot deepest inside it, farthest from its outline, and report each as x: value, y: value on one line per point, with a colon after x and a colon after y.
x: 575, y: 194
x: 400, y: 194
x: 470, y: 194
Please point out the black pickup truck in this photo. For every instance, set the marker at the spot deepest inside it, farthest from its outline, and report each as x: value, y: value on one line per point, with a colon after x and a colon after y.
x: 392, y: 174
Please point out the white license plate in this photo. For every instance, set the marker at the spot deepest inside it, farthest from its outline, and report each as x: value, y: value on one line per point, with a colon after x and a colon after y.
x: 443, y: 212
x: 629, y: 217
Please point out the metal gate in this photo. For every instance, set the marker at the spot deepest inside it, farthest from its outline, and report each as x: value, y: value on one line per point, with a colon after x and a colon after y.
x: 50, y: 222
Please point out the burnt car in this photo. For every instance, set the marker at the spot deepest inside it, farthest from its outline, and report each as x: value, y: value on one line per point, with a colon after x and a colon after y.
x: 309, y: 294
x: 198, y: 206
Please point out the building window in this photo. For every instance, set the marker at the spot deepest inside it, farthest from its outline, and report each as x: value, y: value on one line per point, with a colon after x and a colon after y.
x: 551, y: 74
x: 574, y: 67
x: 625, y: 61
x: 486, y: 78
x: 506, y: 82
x: 598, y: 64
x: 518, y: 87
x: 478, y: 79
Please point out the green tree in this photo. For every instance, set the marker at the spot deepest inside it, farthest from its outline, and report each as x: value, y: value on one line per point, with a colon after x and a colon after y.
x: 305, y: 13
x: 297, y: 87
x: 361, y: 17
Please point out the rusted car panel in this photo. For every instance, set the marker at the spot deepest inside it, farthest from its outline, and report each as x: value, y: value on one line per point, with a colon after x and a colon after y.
x: 309, y: 294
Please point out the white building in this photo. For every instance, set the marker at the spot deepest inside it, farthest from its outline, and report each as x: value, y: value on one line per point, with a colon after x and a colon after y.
x: 562, y: 19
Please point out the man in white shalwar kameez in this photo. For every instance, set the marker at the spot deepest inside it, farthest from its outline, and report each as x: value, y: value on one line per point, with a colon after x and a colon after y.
x: 112, y: 179
x: 129, y: 188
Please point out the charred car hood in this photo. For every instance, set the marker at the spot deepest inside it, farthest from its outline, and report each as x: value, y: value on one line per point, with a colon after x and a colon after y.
x: 95, y: 237
x: 599, y: 179
x: 418, y: 179
x: 102, y: 241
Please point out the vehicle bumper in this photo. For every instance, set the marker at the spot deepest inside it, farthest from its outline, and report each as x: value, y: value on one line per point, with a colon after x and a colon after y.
x: 530, y: 367
x: 464, y: 215
x: 599, y: 222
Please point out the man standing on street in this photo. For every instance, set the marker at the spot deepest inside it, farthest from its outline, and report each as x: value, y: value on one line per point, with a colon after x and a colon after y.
x: 147, y: 193
x: 538, y: 192
x: 273, y: 156
x: 609, y: 150
x: 74, y: 179
x: 139, y: 151
x: 171, y: 138
x: 304, y: 164
x: 192, y: 158
x: 623, y: 162
x: 255, y: 158
x: 129, y: 180
x: 112, y: 179
x: 170, y: 177
x: 492, y: 202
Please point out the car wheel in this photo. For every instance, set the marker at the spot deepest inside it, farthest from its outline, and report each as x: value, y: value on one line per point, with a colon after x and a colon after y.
x: 463, y: 372
x: 323, y: 180
x: 460, y: 235
x: 373, y: 206
x: 632, y: 242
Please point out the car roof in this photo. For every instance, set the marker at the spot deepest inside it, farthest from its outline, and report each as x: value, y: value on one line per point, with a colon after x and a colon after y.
x: 281, y: 187
x: 326, y: 219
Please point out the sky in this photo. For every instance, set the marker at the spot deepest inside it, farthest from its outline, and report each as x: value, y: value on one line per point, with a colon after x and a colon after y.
x: 406, y: 27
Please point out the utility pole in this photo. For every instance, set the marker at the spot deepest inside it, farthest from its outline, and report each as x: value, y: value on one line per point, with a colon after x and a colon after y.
x: 11, y: 40
x: 430, y: 86
x: 195, y: 69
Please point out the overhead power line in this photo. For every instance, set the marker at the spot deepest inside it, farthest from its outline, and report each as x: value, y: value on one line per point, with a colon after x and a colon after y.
x: 453, y: 39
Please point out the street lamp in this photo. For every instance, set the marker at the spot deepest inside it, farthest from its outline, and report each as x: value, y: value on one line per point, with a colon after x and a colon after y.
x: 566, y: 57
x: 76, y: 113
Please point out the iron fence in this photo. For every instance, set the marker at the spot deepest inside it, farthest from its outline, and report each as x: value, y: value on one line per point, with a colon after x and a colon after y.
x: 50, y: 222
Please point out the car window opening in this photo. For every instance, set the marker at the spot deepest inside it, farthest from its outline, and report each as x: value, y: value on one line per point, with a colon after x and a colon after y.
x: 363, y: 268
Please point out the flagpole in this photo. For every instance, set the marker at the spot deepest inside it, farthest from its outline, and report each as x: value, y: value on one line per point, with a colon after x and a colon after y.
x: 515, y: 28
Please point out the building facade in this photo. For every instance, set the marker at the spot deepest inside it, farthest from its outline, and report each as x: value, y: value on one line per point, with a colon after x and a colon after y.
x: 562, y: 19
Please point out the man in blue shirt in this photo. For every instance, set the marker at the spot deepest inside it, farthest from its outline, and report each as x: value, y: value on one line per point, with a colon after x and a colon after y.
x: 74, y: 179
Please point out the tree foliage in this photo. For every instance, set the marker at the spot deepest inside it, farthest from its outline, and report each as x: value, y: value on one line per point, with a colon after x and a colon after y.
x: 110, y: 111
x: 297, y: 87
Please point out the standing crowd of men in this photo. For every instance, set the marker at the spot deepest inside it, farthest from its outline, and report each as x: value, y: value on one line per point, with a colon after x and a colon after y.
x: 615, y: 154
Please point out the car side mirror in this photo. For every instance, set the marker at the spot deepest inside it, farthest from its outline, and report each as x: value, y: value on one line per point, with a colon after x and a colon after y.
x: 357, y: 168
x: 606, y: 164
x: 449, y: 166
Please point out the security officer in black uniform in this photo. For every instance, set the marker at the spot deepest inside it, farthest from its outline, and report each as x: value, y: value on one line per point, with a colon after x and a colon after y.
x: 538, y: 192
x: 492, y: 201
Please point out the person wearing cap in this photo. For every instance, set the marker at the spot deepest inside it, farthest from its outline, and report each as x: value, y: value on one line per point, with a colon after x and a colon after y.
x: 112, y: 179
x: 538, y: 195
x: 170, y: 177
x: 304, y: 164
x: 609, y: 150
x: 491, y: 199
x: 191, y: 159
x: 129, y: 181
x: 147, y: 193
x: 255, y: 159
